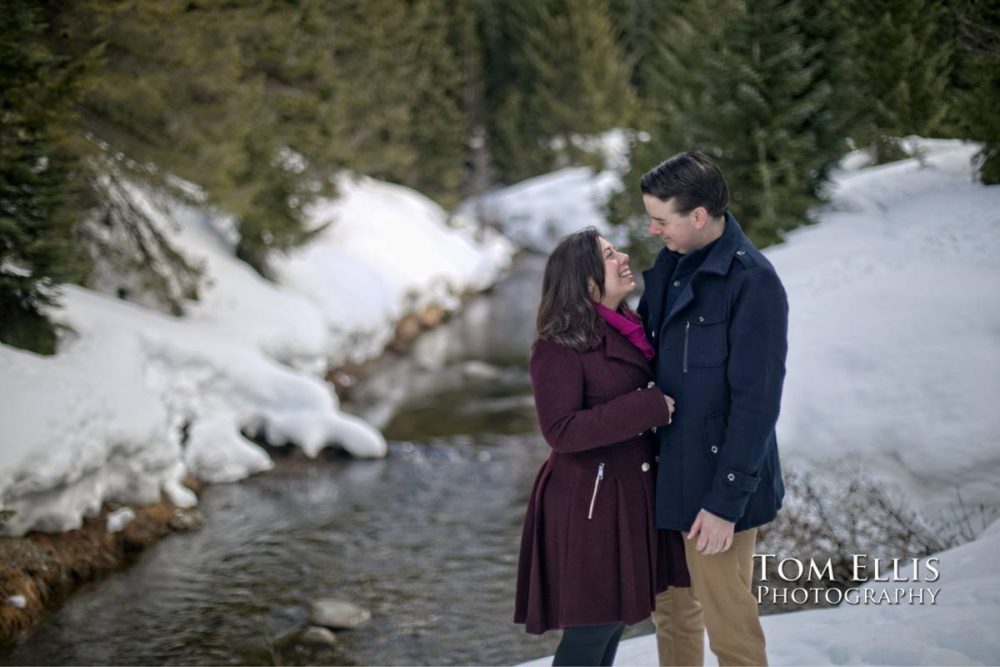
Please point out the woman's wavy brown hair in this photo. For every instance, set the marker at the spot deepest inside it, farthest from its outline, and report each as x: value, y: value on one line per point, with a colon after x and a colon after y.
x: 566, y: 314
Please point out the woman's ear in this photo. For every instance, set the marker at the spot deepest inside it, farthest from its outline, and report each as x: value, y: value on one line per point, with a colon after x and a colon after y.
x: 593, y: 290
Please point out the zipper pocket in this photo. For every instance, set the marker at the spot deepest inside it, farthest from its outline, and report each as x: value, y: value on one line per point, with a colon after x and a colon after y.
x: 597, y: 485
x: 687, y: 334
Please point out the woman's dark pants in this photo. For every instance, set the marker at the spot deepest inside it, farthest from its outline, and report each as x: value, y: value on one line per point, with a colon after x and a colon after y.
x: 589, y: 645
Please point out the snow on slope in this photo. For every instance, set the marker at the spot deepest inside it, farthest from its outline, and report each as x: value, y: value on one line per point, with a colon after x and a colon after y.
x: 894, y: 331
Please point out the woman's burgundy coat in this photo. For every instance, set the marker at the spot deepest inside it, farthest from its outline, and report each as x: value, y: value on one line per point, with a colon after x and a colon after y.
x: 595, y: 407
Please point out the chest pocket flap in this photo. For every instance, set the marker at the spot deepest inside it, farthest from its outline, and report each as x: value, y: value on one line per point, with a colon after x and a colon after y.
x: 708, y: 343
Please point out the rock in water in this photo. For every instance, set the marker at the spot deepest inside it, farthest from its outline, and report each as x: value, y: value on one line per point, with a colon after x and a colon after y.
x: 337, y: 614
x: 318, y: 636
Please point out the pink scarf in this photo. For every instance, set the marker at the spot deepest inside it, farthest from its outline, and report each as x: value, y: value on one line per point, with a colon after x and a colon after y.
x: 629, y: 326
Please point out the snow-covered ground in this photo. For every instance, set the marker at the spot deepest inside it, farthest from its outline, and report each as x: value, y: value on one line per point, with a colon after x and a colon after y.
x: 894, y: 366
x: 136, y: 399
x: 894, y: 330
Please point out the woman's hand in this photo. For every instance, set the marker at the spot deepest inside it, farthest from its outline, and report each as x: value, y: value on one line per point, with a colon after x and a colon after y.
x: 671, y: 404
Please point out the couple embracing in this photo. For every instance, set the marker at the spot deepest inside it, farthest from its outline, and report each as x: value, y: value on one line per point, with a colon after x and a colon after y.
x: 664, y: 460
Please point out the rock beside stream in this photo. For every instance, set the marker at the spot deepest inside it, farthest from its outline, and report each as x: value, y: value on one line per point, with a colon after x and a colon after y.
x: 337, y: 614
x: 316, y: 635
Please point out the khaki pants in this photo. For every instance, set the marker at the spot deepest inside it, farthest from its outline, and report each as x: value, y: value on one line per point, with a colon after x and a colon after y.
x: 720, y: 600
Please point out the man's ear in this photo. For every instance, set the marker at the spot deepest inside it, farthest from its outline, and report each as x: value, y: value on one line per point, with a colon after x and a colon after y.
x: 700, y: 217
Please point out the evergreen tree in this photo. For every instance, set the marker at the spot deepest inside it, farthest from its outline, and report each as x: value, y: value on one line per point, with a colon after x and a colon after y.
x: 43, y: 182
x: 775, y: 119
x: 902, y: 62
x: 565, y: 75
x: 375, y: 45
x: 440, y: 128
x: 762, y: 86
x: 464, y: 34
x: 976, y: 32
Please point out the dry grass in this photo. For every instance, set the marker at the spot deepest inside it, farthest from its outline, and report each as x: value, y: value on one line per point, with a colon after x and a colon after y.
x: 45, y: 568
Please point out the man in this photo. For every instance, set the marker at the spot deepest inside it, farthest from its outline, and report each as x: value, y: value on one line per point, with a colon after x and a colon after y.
x: 717, y: 313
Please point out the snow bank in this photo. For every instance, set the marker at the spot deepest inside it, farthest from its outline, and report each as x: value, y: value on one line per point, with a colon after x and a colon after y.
x: 137, y: 399
x: 893, y: 357
x: 537, y: 212
x: 388, y: 251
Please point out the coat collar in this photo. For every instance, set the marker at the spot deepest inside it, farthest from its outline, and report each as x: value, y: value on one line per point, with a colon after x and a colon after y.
x: 618, y: 346
x: 718, y: 261
x: 721, y: 255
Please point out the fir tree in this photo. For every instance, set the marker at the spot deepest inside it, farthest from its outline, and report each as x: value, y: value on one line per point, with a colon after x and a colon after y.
x: 566, y: 76
x: 761, y: 86
x: 440, y: 128
x: 976, y: 32
x: 776, y: 113
x: 43, y: 182
x: 902, y: 62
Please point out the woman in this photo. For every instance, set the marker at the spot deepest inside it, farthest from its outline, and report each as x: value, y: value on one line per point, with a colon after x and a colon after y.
x: 591, y: 558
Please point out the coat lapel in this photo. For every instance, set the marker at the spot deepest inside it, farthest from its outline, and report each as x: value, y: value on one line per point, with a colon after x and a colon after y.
x: 655, y: 281
x: 618, y: 346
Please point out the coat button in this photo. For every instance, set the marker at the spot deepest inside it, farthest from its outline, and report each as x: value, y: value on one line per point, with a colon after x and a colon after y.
x: 677, y: 283
x: 650, y: 384
x: 653, y: 429
x: 741, y: 252
x: 701, y: 319
x: 657, y: 458
x: 645, y: 466
x: 731, y: 477
x: 653, y: 335
x: 715, y: 450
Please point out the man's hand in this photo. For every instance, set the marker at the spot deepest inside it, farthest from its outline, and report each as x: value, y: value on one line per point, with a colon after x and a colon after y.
x: 714, y: 534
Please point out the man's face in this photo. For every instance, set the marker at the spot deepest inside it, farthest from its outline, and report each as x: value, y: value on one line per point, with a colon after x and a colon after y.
x: 678, y: 232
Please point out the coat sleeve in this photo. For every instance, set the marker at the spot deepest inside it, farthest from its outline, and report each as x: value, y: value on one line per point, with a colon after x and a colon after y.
x: 758, y: 345
x: 557, y: 379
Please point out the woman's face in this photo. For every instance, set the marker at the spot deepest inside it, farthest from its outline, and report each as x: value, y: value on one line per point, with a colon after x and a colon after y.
x: 618, y: 280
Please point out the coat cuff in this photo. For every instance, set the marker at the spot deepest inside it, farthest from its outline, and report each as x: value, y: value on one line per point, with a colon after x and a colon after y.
x: 731, y: 491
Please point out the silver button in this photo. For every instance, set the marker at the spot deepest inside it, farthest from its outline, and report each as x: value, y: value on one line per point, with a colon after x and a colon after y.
x: 731, y: 477
x: 741, y: 252
x: 715, y: 450
x: 653, y: 334
x: 677, y: 283
x: 650, y: 384
x: 653, y: 429
x: 701, y: 319
x: 645, y: 466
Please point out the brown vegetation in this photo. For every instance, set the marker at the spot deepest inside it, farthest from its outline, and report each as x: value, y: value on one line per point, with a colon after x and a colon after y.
x: 44, y: 568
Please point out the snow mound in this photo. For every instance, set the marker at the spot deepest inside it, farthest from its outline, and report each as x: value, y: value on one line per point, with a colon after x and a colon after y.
x: 893, y: 357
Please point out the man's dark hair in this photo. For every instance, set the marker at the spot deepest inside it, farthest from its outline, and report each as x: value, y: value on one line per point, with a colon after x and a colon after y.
x: 692, y: 179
